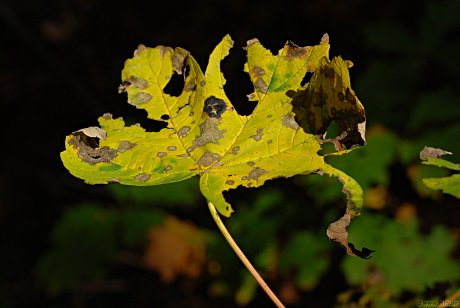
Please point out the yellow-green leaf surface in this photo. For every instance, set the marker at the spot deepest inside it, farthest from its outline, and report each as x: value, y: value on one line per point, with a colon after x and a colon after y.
x: 205, y: 135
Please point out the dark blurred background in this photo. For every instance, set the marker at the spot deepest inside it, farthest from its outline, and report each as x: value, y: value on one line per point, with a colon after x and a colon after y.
x: 68, y: 244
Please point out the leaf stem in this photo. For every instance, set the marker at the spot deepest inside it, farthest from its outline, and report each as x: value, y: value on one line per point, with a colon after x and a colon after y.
x: 240, y: 254
x: 450, y: 300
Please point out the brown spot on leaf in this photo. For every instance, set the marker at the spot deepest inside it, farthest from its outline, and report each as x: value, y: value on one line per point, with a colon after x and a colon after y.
x: 208, y: 159
x: 230, y: 182
x: 341, y: 96
x: 270, y: 141
x: 107, y: 116
x: 349, y: 97
x: 183, y: 155
x: 137, y: 82
x: 256, y: 173
x: 293, y: 51
x: 161, y: 154
x: 178, y: 59
x: 183, y: 131
x: 289, y: 121
x: 260, y: 85
x: 125, y: 145
x: 172, y: 148
x: 89, y: 151
x: 190, y: 84
x: 191, y: 114
x: 142, y: 177
x: 202, y: 83
x: 140, y: 98
x: 258, y: 135
x: 328, y: 72
x: 251, y: 42
x: 235, y: 150
x: 257, y: 71
x: 251, y: 163
x: 114, y: 180
x: 168, y: 168
x: 244, y: 178
x: 210, y: 133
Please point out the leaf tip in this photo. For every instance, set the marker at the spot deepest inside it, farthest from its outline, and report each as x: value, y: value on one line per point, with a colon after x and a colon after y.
x: 140, y: 49
x: 324, y: 39
x: 430, y: 152
x: 251, y: 42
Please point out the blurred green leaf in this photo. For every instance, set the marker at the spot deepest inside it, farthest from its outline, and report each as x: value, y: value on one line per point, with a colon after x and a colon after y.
x: 417, y: 173
x: 247, y: 290
x: 442, y: 163
x: 406, y: 259
x: 308, y: 254
x: 449, y: 185
x: 84, y: 247
x: 261, y: 216
x: 136, y: 223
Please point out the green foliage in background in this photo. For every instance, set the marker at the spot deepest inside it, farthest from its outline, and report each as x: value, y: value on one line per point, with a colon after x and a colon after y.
x: 406, y: 260
x: 411, y: 84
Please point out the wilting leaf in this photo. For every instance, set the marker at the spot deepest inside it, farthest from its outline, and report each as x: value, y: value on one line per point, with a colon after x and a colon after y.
x: 205, y: 136
x: 337, y: 231
x: 449, y: 185
x: 328, y: 97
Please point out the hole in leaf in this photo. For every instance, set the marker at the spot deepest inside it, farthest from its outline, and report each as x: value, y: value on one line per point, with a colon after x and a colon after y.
x: 139, y: 116
x: 175, y: 85
x: 239, y: 85
x: 332, y: 130
x: 91, y: 142
x: 327, y: 148
x: 306, y: 79
x: 165, y: 117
